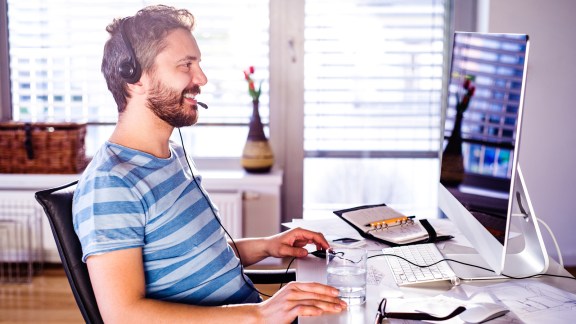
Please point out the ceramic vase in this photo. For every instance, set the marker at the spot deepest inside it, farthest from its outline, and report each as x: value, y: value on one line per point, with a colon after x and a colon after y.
x: 257, y: 156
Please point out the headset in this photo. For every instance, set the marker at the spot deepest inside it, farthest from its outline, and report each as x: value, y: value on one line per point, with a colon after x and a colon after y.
x: 129, y: 69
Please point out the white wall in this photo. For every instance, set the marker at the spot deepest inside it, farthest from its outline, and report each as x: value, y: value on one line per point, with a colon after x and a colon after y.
x: 548, y: 142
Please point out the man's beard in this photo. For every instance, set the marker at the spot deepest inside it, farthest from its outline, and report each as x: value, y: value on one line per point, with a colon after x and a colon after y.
x: 168, y: 105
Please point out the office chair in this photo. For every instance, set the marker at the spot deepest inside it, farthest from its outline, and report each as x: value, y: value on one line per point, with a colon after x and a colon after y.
x: 57, y: 204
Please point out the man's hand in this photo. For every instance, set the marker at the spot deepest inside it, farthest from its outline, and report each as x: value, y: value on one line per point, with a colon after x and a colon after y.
x: 300, y: 299
x: 286, y: 244
x: 291, y: 243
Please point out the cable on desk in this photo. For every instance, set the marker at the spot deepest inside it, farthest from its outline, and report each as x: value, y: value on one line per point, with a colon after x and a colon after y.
x: 470, y: 265
x: 287, y: 268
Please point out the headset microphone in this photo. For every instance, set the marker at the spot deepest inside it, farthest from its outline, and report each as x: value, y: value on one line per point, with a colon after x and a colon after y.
x: 201, y: 104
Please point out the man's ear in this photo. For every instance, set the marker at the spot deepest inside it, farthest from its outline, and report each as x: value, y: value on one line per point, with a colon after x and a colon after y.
x: 143, y: 85
x: 137, y: 88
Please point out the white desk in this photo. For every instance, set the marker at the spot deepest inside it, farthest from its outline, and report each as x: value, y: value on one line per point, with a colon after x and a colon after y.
x: 313, y: 269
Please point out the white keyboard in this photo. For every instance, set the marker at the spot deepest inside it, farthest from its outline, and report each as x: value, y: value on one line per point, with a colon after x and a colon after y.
x: 421, y: 254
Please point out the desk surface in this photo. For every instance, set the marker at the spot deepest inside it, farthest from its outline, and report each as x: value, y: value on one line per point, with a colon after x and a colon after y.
x: 530, y: 300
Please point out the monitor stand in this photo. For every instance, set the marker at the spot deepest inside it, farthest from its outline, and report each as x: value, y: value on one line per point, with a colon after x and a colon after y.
x: 525, y: 252
x: 484, y: 250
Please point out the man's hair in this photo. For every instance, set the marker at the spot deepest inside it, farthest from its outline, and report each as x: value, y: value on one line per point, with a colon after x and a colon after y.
x: 147, y: 31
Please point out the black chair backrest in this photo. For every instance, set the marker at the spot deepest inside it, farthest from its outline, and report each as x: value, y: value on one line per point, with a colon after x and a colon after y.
x: 57, y: 204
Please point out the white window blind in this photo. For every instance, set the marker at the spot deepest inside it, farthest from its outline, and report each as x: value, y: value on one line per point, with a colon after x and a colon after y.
x: 56, y: 51
x: 373, y: 91
x: 373, y: 77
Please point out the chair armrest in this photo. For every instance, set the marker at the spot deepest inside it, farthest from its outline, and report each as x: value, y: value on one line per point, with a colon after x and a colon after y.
x: 271, y: 276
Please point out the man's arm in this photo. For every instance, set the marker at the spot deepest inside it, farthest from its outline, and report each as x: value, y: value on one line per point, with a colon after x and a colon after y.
x: 286, y: 244
x: 118, y: 282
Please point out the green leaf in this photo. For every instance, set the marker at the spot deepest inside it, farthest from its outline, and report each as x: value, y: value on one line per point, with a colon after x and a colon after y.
x: 253, y: 94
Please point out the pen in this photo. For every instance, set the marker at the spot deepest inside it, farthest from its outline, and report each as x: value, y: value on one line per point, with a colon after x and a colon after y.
x: 391, y: 221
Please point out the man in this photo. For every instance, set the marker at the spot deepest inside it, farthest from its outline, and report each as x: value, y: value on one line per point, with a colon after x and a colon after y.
x: 151, y: 239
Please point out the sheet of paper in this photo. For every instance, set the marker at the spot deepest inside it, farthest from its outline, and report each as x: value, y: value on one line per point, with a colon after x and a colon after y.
x: 334, y: 226
x: 333, y: 229
x: 533, y: 301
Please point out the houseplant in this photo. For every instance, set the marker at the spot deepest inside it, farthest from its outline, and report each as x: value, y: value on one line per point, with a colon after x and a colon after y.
x: 257, y: 155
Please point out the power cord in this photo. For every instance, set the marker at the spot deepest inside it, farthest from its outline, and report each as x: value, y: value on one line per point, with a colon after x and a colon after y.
x: 558, y: 251
x: 241, y: 264
x: 470, y: 265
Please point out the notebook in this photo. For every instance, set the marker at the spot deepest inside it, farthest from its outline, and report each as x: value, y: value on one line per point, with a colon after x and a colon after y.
x: 385, y: 224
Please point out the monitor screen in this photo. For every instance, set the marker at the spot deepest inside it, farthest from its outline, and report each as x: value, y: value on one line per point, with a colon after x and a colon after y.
x: 481, y: 123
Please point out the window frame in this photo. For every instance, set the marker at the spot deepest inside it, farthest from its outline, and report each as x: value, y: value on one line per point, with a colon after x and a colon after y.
x: 5, y: 91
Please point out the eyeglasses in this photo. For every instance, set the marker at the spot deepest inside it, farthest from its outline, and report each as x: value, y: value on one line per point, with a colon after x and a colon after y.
x: 381, y: 314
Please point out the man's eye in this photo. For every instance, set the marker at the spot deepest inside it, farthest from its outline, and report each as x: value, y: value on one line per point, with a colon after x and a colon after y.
x: 186, y: 66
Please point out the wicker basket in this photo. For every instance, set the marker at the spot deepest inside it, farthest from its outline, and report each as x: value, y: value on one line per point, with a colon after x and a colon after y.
x: 42, y: 147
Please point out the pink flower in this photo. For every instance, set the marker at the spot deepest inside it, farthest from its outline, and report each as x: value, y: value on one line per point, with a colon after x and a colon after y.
x: 462, y: 105
x: 255, y: 94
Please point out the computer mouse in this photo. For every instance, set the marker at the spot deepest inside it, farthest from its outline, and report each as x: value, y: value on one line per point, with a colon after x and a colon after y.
x: 319, y: 253
x: 482, y: 312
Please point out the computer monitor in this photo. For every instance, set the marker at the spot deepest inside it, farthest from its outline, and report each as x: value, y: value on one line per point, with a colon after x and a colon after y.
x: 482, y: 190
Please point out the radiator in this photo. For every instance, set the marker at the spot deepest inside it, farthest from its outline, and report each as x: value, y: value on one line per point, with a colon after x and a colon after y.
x: 229, y: 205
x: 21, y: 239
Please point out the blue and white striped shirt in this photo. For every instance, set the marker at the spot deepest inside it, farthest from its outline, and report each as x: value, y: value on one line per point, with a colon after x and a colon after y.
x: 128, y: 199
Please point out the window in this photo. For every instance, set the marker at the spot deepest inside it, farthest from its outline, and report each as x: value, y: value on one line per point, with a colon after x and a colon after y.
x: 355, y: 87
x: 373, y: 88
x: 56, y: 51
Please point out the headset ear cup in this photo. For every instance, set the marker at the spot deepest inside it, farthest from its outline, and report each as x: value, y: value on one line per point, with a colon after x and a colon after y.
x: 126, y: 70
x: 129, y: 72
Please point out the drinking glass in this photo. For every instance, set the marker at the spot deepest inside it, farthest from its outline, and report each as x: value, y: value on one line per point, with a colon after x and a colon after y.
x: 347, y: 271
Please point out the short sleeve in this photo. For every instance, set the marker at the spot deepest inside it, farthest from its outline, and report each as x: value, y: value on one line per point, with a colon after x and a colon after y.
x: 108, y: 215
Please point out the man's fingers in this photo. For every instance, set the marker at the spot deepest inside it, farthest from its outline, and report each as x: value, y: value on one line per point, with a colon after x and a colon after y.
x: 298, y: 252
x: 311, y: 307
x: 314, y: 237
x: 302, y: 299
x: 326, y: 296
x: 313, y: 287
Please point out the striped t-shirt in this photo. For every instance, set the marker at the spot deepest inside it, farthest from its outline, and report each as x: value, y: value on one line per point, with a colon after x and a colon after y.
x: 127, y: 199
